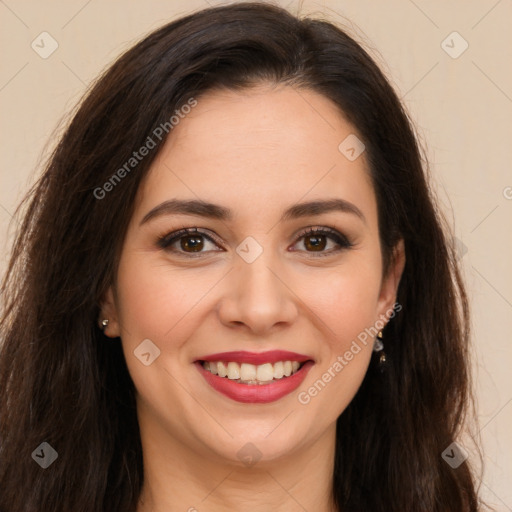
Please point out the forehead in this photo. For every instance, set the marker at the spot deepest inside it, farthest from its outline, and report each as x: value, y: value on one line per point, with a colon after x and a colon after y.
x: 259, y: 147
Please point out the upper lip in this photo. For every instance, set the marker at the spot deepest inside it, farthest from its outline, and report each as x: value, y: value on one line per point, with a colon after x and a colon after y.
x: 256, y: 358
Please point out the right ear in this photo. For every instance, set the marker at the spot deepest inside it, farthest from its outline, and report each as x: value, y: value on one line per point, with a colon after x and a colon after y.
x: 108, y: 311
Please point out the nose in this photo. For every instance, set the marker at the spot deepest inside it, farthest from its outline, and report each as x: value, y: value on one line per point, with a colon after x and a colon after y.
x: 258, y: 297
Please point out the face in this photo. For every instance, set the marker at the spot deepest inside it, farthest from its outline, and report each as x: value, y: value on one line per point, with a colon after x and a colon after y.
x: 288, y: 260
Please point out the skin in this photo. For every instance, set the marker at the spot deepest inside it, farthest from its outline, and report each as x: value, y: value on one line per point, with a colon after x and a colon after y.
x: 256, y: 152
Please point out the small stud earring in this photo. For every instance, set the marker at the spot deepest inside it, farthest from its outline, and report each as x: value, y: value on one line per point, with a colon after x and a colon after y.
x: 104, y: 324
x: 379, y: 347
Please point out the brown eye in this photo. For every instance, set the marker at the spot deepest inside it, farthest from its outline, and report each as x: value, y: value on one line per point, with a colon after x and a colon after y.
x: 188, y: 241
x: 192, y: 243
x: 315, y: 242
x: 324, y: 241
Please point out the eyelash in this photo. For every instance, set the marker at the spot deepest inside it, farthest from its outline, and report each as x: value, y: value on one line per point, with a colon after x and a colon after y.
x: 165, y: 241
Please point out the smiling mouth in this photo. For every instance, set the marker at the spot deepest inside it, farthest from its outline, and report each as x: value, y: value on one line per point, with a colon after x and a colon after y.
x: 251, y: 374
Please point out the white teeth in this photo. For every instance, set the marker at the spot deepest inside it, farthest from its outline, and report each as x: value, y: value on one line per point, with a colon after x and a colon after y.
x: 221, y: 369
x: 233, y: 371
x: 212, y: 367
x: 264, y: 372
x: 247, y: 371
x: 251, y: 374
x: 278, y: 370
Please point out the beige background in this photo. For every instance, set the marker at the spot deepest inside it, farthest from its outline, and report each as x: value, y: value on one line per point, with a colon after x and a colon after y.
x: 462, y: 107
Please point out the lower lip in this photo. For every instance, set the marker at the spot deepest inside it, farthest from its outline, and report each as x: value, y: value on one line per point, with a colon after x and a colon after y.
x: 255, y: 393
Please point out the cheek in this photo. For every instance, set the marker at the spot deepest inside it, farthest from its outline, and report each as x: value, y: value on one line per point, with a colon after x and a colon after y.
x: 346, y: 313
x: 158, y: 302
x: 163, y: 305
x: 345, y: 353
x: 345, y: 299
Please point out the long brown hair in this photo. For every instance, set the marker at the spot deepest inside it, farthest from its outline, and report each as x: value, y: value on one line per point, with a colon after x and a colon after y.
x: 61, y: 381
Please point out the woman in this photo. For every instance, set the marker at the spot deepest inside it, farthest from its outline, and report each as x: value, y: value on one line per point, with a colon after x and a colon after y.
x: 232, y: 289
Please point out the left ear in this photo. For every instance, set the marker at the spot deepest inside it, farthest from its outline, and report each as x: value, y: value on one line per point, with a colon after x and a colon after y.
x: 390, y: 282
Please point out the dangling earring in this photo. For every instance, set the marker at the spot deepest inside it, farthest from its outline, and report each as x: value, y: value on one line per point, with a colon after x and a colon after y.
x: 104, y: 324
x: 379, y: 347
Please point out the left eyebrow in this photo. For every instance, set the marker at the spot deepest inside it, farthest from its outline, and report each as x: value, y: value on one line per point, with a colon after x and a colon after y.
x: 318, y: 207
x: 204, y: 209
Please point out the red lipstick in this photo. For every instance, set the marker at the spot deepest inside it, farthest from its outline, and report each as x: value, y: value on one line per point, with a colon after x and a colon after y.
x: 256, y: 393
